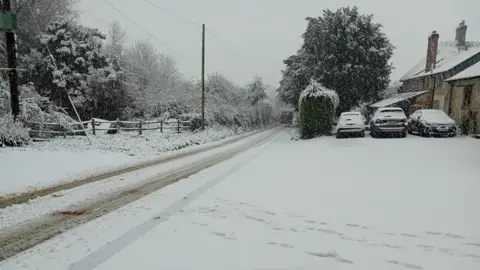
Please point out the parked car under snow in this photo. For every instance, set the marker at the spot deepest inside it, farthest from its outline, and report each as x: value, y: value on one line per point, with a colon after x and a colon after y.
x: 351, y: 123
x: 388, y: 120
x: 432, y: 122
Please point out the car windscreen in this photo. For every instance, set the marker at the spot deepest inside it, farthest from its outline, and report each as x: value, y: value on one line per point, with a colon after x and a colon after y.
x: 435, y: 116
x: 356, y: 118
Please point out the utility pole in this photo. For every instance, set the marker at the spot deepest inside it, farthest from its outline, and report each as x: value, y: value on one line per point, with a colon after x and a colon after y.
x: 203, y: 76
x: 9, y: 24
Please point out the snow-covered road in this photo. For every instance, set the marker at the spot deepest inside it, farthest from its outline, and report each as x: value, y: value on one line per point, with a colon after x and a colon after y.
x: 318, y: 204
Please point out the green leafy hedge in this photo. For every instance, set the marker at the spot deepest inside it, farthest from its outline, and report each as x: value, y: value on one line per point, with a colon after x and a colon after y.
x: 317, y: 110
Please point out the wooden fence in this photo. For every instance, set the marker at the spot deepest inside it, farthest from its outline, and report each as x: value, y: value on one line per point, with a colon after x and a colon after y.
x: 110, y: 127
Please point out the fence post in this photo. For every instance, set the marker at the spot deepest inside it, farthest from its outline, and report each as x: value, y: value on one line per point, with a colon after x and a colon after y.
x: 161, y: 126
x: 118, y: 125
x: 178, y: 125
x: 93, y: 126
x: 141, y: 127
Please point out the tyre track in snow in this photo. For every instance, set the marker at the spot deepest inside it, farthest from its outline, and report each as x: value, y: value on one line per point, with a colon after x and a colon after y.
x: 16, y: 240
x: 6, y: 201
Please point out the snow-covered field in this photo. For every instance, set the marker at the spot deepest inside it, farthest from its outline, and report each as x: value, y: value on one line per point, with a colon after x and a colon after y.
x: 318, y: 204
x: 43, y: 164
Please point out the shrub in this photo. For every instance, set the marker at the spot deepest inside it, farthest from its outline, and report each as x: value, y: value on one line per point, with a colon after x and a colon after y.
x: 317, y: 110
x: 12, y: 133
x: 195, y: 123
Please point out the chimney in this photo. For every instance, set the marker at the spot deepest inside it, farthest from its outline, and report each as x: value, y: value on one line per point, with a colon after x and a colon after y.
x: 432, y: 51
x: 461, y: 36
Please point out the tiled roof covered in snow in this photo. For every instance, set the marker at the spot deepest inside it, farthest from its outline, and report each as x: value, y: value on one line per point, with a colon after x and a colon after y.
x: 471, y: 72
x: 448, y: 57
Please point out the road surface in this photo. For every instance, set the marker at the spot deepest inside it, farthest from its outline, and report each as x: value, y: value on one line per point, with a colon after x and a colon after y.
x: 317, y: 204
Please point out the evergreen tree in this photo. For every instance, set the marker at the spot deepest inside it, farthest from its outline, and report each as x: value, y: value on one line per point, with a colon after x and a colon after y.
x: 345, y: 51
x: 76, y: 51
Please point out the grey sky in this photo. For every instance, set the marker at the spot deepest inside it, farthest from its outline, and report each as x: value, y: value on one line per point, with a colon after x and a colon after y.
x: 261, y: 33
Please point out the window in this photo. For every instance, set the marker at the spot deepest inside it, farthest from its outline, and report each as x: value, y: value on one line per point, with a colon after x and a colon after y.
x: 467, y: 95
x: 391, y: 110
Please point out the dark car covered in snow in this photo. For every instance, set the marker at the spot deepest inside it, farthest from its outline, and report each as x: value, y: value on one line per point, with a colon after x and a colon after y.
x: 432, y: 122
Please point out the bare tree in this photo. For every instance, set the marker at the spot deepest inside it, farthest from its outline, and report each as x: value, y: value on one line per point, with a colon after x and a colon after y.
x: 116, y: 41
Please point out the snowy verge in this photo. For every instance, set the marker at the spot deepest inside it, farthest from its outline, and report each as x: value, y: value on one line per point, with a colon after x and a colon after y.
x: 74, y: 245
x: 13, y: 215
x: 151, y: 143
x: 75, y: 159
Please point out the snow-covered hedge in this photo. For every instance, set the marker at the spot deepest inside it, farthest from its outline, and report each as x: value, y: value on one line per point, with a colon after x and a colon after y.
x: 317, y: 110
x: 35, y: 112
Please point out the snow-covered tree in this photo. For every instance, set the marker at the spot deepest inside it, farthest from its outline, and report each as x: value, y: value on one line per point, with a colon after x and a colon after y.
x: 295, y: 78
x: 152, y: 78
x: 76, y: 51
x: 115, y: 47
x: 27, y: 31
x: 256, y: 90
x: 345, y: 51
x: 392, y: 89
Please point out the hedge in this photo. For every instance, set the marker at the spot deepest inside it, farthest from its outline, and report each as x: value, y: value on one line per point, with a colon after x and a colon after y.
x: 317, y: 110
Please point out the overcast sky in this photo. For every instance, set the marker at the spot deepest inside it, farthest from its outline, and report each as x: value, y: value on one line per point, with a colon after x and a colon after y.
x: 258, y: 34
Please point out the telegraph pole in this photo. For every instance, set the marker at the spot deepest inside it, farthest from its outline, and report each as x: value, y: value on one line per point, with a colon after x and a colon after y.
x: 9, y: 24
x: 203, y: 76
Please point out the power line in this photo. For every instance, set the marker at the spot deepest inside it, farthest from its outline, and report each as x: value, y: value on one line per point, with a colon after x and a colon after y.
x: 219, y: 39
x: 183, y: 19
x: 189, y: 21
x: 144, y: 30
x: 173, y: 14
x: 90, y: 14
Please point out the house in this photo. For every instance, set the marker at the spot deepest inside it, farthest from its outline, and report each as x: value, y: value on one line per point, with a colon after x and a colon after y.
x: 464, y: 100
x: 425, y: 86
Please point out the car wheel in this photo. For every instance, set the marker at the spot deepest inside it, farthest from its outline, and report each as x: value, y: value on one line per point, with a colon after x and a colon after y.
x: 404, y: 134
x: 362, y: 134
x: 373, y: 133
x: 338, y: 136
x: 425, y: 133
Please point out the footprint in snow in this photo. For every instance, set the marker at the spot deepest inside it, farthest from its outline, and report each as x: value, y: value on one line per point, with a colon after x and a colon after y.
x: 473, y: 244
x: 454, y: 236
x: 294, y: 215
x: 257, y: 219
x: 475, y: 256
x: 426, y: 247
x: 248, y: 204
x: 223, y: 235
x: 357, y: 226
x: 448, y: 235
x: 409, y: 235
x: 330, y: 254
x: 357, y: 240
x: 199, y: 224
x: 280, y: 245
x: 406, y: 265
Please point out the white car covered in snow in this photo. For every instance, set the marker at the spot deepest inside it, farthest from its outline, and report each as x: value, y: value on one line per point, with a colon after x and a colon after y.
x: 389, y: 120
x: 351, y: 123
